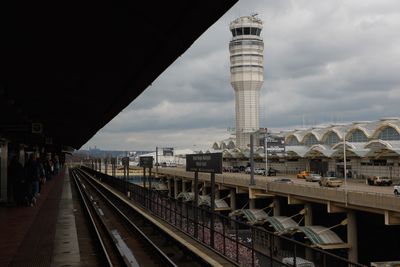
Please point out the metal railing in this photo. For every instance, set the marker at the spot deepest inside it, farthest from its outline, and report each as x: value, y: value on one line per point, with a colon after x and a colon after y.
x: 241, y: 243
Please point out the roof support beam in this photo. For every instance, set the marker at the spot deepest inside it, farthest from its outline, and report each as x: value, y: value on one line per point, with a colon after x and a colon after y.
x: 332, y: 208
x: 391, y: 218
x: 294, y: 201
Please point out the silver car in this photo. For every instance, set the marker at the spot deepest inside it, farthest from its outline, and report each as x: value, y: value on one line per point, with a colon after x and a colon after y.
x: 313, y: 177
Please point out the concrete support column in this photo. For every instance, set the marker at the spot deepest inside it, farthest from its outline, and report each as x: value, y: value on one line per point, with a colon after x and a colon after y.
x: 352, y: 236
x: 252, y: 203
x: 3, y: 171
x: 217, y: 194
x: 169, y: 187
x: 308, y: 221
x: 277, y: 207
x: 233, y: 199
x: 308, y: 216
x: 277, y: 212
x: 183, y: 185
x: 175, y: 187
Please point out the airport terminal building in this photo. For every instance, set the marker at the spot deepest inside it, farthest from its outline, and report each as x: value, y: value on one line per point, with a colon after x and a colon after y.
x: 370, y: 148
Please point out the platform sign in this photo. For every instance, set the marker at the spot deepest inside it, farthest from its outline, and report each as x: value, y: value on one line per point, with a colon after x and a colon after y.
x: 275, y: 144
x: 125, y: 161
x: 146, y: 162
x: 210, y: 162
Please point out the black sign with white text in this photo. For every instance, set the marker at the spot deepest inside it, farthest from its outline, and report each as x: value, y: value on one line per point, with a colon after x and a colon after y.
x: 275, y: 144
x: 146, y: 162
x: 211, y: 162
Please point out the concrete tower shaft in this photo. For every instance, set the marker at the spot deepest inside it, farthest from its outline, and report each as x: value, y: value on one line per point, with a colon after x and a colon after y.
x: 247, y: 75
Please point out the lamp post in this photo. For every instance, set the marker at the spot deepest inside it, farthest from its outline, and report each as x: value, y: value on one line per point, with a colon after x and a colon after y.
x: 345, y: 168
x: 156, y: 161
x: 266, y: 153
x: 252, y: 181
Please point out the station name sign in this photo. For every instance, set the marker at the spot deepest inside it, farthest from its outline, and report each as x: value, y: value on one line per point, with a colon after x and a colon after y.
x: 146, y: 162
x: 210, y: 162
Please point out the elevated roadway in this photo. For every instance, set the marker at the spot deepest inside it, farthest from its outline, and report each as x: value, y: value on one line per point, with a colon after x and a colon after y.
x: 356, y: 195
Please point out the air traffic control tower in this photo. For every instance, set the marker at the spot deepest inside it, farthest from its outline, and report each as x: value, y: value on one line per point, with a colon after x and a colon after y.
x: 247, y: 75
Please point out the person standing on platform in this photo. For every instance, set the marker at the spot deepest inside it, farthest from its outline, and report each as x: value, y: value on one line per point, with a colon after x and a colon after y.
x: 18, y: 182
x: 32, y: 175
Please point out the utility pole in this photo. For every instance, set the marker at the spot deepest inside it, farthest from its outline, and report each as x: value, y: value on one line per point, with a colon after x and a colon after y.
x: 266, y: 153
x: 345, y: 167
x: 252, y: 182
x: 156, y: 161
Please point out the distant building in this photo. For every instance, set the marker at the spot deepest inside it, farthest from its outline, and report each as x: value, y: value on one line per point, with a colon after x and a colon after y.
x: 372, y: 148
x: 247, y: 75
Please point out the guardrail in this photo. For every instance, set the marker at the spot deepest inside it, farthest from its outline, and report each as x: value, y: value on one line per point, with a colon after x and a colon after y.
x: 243, y: 244
x: 355, y: 198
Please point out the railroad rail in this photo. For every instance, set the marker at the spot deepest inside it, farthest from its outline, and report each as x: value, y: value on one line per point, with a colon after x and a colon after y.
x: 125, y: 236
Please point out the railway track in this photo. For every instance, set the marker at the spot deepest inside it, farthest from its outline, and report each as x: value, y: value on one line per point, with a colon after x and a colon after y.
x: 127, y: 238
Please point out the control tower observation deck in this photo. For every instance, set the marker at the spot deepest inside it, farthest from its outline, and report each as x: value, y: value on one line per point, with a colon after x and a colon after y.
x: 247, y: 75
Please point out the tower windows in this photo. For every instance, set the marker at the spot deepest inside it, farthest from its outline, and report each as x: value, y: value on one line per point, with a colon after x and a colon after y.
x: 246, y: 31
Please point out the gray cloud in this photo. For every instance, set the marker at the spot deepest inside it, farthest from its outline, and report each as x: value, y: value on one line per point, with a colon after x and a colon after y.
x: 324, y: 61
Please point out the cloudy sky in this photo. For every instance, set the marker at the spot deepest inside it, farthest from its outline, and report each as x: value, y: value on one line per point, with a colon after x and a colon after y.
x: 325, y: 61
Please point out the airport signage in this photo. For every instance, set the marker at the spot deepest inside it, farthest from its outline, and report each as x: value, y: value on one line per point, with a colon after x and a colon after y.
x: 168, y: 151
x: 125, y: 161
x: 146, y: 162
x: 275, y: 144
x: 210, y: 162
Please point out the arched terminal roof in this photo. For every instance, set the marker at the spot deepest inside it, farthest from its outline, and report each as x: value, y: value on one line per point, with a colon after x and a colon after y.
x: 73, y: 66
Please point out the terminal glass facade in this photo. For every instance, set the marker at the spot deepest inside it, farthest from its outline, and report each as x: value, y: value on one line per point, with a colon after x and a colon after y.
x: 358, y: 136
x: 389, y: 133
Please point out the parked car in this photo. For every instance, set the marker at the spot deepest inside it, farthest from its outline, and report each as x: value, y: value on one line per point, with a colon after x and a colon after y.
x: 259, y: 171
x: 378, y: 180
x: 313, y: 177
x: 303, y: 174
x: 330, y: 181
x: 236, y: 169
x: 272, y: 172
x: 227, y: 169
x: 396, y: 190
x: 283, y: 180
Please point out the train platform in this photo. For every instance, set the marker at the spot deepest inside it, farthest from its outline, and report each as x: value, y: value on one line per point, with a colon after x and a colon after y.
x: 36, y: 236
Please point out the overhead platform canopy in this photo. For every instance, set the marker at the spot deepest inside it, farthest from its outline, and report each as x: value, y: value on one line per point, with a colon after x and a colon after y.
x: 71, y: 67
x: 204, y: 200
x: 252, y: 216
x: 323, y: 237
x: 283, y: 224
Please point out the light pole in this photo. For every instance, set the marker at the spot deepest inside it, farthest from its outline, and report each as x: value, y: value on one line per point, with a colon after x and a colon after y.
x: 156, y: 161
x: 252, y: 181
x: 266, y: 153
x: 345, y: 168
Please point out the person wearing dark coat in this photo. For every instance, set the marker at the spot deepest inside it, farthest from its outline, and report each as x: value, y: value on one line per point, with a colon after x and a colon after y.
x: 18, y: 181
x: 32, y: 170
